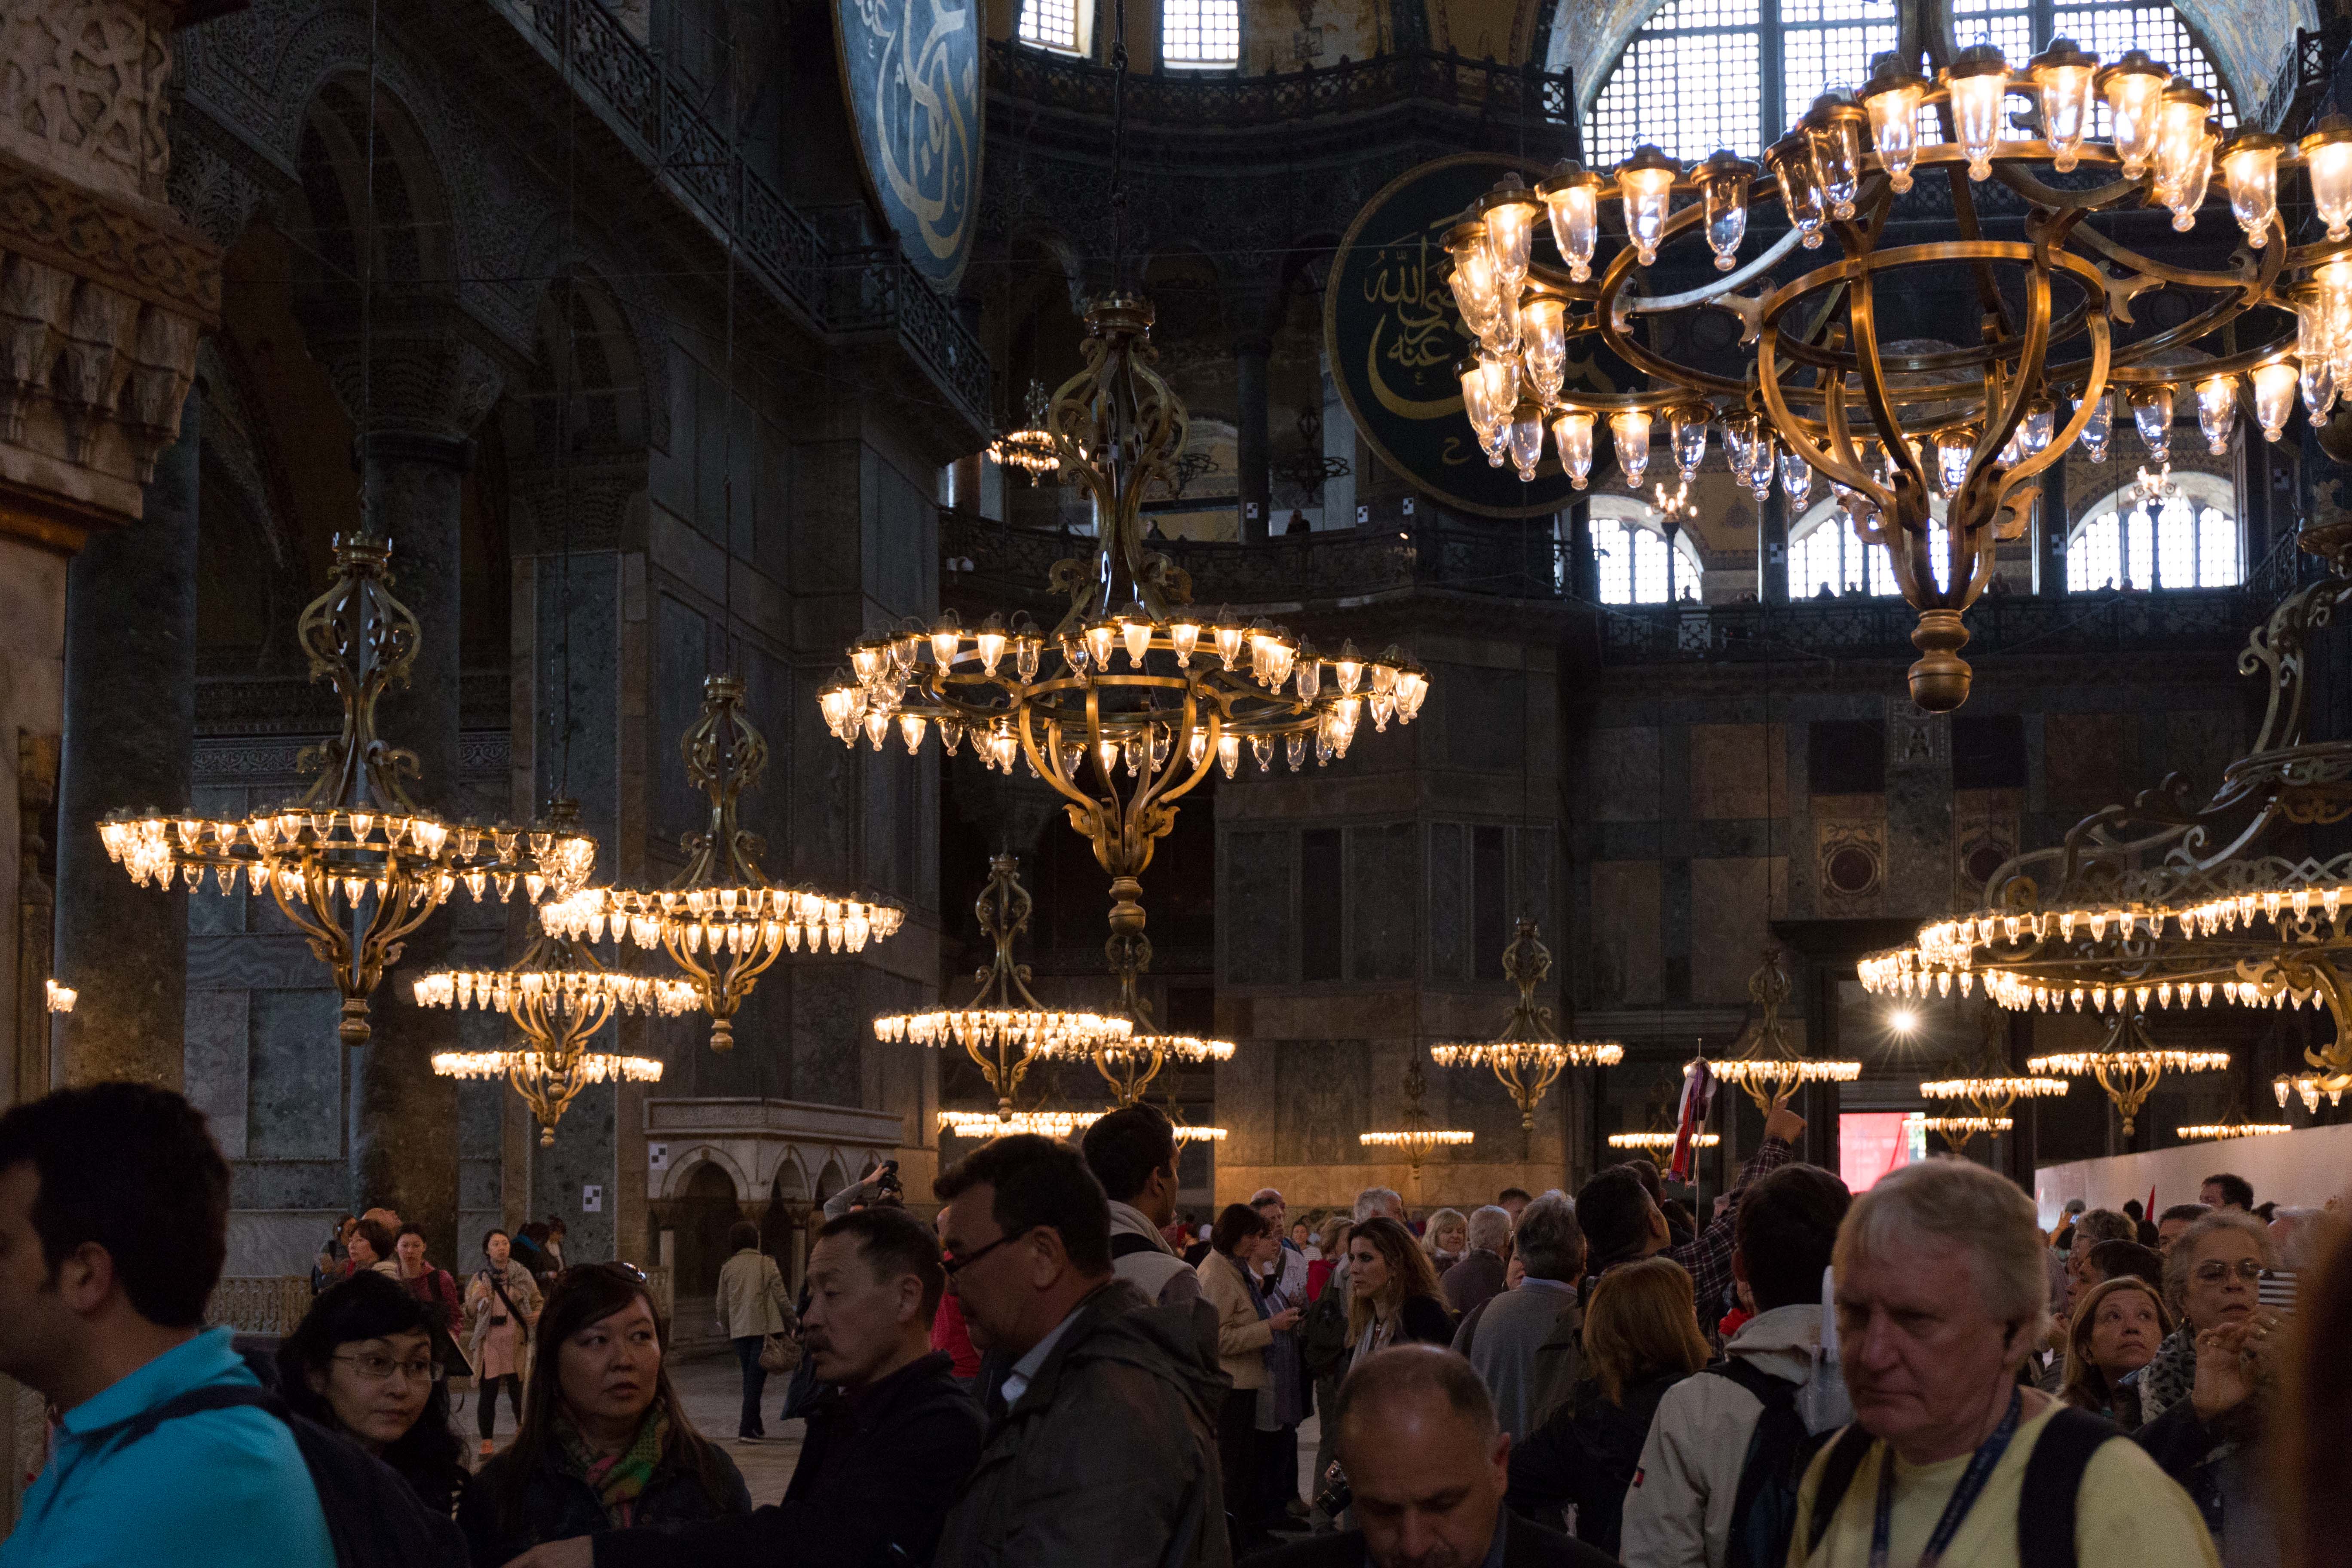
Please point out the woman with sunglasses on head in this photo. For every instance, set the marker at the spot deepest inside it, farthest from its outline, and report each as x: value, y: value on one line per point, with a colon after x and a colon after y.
x: 605, y: 1443
x: 361, y: 1362
x: 2209, y: 1402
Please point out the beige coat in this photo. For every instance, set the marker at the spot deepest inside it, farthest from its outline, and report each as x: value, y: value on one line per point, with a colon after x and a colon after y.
x: 751, y: 1298
x: 1242, y: 1334
x: 496, y: 1352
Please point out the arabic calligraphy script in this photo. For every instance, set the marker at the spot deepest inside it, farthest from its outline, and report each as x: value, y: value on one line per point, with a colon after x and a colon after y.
x: 924, y: 119
x: 1416, y: 332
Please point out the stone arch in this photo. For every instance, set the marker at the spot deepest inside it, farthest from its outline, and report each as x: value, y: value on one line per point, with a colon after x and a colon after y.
x: 830, y: 1179
x: 410, y: 228
x: 783, y: 1228
x: 673, y: 1184
x: 708, y: 1202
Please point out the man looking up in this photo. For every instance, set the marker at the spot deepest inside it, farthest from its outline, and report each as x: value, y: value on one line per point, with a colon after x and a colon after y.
x: 889, y: 1444
x: 1132, y: 1153
x: 1623, y: 1223
x: 113, y: 1228
x: 1103, y: 1408
x: 1428, y: 1466
x: 1939, y: 1294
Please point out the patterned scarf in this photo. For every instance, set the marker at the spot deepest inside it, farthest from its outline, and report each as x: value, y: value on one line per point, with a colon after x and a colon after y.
x: 618, y: 1480
x: 2166, y: 1379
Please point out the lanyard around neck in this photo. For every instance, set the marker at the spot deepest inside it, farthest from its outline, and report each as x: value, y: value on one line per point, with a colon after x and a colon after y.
x: 1964, y: 1496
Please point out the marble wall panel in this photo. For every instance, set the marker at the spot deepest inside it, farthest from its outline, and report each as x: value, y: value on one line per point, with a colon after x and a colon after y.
x: 1732, y: 903
x: 294, y: 1094
x: 1728, y: 770
x: 1383, y: 880
x: 217, y: 1058
x: 1482, y: 717
x: 1626, y: 961
x: 1449, y: 914
x: 1257, y: 928
x: 1622, y: 769
x: 2088, y: 761
x: 681, y: 656
x: 582, y: 1157
x: 829, y: 1024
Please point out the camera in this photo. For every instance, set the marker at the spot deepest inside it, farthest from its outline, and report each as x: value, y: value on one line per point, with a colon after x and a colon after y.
x: 888, y: 1188
x: 1336, y: 1495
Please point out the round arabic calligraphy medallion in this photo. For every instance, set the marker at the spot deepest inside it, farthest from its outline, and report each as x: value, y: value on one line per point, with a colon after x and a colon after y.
x: 910, y: 71
x: 1392, y: 334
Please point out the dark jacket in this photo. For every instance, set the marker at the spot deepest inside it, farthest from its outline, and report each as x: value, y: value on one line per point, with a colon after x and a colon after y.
x: 2218, y: 1463
x: 1424, y: 1320
x: 1470, y: 1283
x: 1109, y: 1456
x: 1525, y: 1545
x: 558, y: 1505
x: 1586, y: 1453
x: 876, y: 1472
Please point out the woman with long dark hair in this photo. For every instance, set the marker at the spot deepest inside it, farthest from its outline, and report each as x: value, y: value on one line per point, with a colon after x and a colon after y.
x: 605, y: 1443
x: 361, y: 1362
x: 1391, y: 1291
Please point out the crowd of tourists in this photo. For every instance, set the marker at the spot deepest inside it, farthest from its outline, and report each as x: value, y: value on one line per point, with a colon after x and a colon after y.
x: 1809, y: 1377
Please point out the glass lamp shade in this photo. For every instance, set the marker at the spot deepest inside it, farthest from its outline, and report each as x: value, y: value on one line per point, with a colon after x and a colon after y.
x: 1476, y: 285
x: 1762, y: 454
x: 1686, y: 432
x: 2099, y: 429
x: 2249, y: 174
x: 1978, y: 79
x: 2318, y: 385
x: 1526, y: 438
x: 1500, y: 373
x: 1572, y: 198
x: 2064, y: 75
x: 1631, y: 430
x: 2327, y: 159
x: 1792, y: 167
x: 1891, y: 98
x: 1543, y: 338
x: 2216, y: 412
x: 1645, y: 184
x: 2034, y: 431
x: 1572, y: 433
x: 1509, y: 212
x: 2274, y: 386
x: 1724, y: 180
x: 1953, y: 450
x: 1832, y: 128
x: 1796, y: 480
x: 2184, y: 153
x: 2134, y: 88
x: 2152, y: 412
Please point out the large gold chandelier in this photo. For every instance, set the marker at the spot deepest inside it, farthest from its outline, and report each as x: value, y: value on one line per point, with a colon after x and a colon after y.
x: 719, y: 919
x: 1892, y: 431
x: 1528, y: 1055
x: 1416, y: 1140
x: 1004, y: 1028
x: 2169, y: 903
x: 1986, y: 1086
x: 354, y: 862
x: 1765, y: 1062
x: 1031, y: 447
x: 1053, y: 1124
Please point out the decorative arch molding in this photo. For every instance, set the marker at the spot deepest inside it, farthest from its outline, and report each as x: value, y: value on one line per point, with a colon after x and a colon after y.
x: 549, y: 253
x: 681, y: 1166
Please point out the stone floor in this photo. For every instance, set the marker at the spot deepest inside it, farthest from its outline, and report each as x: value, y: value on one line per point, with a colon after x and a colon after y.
x: 713, y: 1392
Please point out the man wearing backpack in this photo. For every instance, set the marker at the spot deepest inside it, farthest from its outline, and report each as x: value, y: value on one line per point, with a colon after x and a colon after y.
x: 1719, y: 1477
x: 114, y: 1229
x: 1939, y: 1296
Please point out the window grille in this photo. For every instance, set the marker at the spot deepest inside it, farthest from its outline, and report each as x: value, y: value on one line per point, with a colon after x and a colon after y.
x: 1824, y: 551
x: 1050, y: 24
x: 1632, y: 560
x: 2189, y: 542
x: 1198, y: 33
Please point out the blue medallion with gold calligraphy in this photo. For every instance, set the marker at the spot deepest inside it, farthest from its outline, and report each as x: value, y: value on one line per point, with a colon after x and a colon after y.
x: 1392, y: 335
x: 910, y: 71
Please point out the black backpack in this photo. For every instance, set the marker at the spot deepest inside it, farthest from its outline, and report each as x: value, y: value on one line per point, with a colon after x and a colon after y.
x: 2045, y: 1507
x: 372, y: 1517
x: 1323, y: 1332
x: 1764, y: 1510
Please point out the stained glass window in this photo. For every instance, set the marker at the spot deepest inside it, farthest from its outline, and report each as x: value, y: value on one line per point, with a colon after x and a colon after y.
x: 1198, y: 33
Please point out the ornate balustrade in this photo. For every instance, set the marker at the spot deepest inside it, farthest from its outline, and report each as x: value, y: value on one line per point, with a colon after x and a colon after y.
x: 859, y: 290
x: 1212, y: 101
x: 258, y: 1303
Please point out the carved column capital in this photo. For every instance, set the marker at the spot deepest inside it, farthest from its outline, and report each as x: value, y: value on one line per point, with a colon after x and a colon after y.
x: 433, y: 370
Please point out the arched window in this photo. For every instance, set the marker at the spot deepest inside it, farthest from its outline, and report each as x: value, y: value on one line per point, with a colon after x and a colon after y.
x: 1054, y: 25
x: 1703, y: 74
x: 1634, y: 563
x: 1200, y: 35
x: 1827, y: 558
x: 2190, y: 539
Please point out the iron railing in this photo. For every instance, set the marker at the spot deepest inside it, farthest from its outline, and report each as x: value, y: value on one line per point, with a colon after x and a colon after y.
x: 851, y: 291
x: 1487, y: 88
x: 2293, y: 100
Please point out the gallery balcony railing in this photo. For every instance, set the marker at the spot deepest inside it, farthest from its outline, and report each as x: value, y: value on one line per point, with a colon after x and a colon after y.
x: 859, y: 291
x: 1217, y: 102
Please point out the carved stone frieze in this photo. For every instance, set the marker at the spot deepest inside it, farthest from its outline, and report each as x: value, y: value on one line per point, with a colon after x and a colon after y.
x: 82, y: 90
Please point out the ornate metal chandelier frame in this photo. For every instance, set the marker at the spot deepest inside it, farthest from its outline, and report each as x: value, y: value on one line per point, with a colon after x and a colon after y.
x: 1988, y: 410
x: 720, y: 920
x: 354, y: 862
x: 2168, y: 902
x: 1766, y: 1063
x: 1528, y: 1055
x: 1417, y: 1140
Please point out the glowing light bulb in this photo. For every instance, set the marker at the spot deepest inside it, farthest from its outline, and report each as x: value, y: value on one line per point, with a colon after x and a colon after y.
x: 2216, y: 412
x: 2184, y: 153
x: 1892, y: 99
x: 2064, y: 75
x: 1978, y: 79
x: 1833, y: 130
x: 2134, y: 88
x: 1631, y: 430
x: 1724, y: 180
x: 1572, y: 433
x: 2152, y: 414
x: 1645, y: 184
x: 2274, y: 396
x: 1526, y: 440
x: 1572, y: 198
x: 1509, y: 212
x: 2327, y: 159
x: 2249, y: 174
x: 2099, y: 429
x: 1544, y: 344
x: 1686, y: 431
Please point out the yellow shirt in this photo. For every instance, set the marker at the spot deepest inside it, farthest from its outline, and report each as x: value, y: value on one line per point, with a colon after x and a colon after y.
x: 2128, y: 1514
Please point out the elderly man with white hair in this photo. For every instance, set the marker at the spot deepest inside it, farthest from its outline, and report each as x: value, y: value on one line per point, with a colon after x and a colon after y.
x: 1938, y: 1295
x: 1485, y: 1253
x: 1528, y: 1344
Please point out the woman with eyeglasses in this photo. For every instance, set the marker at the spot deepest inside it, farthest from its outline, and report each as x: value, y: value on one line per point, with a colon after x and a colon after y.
x: 605, y: 1443
x: 2206, y: 1394
x: 361, y: 1362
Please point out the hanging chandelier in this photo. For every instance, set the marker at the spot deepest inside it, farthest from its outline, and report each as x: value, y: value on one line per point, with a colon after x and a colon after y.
x: 2128, y: 1066
x: 2233, y: 1125
x: 1528, y: 1055
x: 1765, y: 1063
x: 719, y: 919
x: 1417, y: 1141
x: 1053, y: 1124
x: 1029, y: 448
x: 1004, y: 1028
x: 1957, y: 1131
x: 1986, y: 1084
x: 1659, y: 1141
x: 1894, y: 429
x: 353, y: 863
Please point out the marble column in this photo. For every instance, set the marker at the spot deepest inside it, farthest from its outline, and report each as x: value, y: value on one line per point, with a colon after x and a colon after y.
x: 130, y: 723
x: 1250, y: 441
x: 2050, y: 530
x: 1772, y: 549
x: 404, y: 1145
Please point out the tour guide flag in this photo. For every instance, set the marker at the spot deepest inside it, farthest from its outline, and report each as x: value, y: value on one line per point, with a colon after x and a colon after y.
x: 1699, y: 1099
x: 1391, y: 335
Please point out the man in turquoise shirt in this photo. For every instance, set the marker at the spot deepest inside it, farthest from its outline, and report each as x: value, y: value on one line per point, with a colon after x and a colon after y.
x: 113, y: 1222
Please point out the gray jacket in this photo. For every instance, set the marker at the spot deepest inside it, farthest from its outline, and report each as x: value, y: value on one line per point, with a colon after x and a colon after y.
x: 1110, y: 1455
x: 1528, y: 1345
